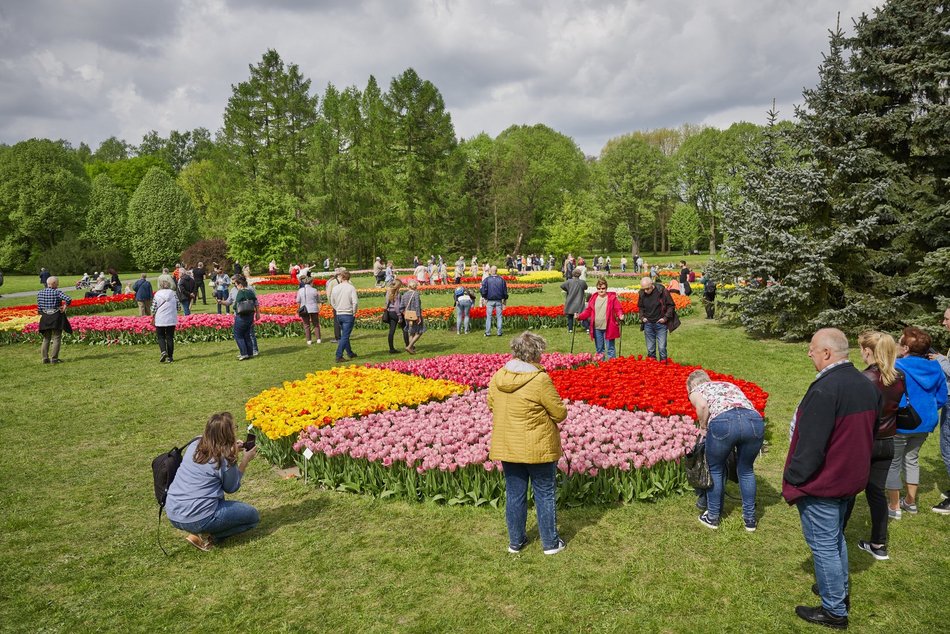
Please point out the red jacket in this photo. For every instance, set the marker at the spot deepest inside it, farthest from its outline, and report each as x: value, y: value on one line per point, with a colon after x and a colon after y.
x: 614, y: 315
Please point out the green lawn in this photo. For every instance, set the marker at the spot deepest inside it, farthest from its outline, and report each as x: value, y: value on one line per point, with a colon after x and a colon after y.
x: 77, y: 517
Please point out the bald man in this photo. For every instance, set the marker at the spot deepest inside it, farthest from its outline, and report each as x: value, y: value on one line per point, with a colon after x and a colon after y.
x: 828, y: 463
x: 657, y: 316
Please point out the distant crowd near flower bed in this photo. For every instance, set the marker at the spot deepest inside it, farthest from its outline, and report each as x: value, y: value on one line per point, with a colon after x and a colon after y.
x: 629, y: 423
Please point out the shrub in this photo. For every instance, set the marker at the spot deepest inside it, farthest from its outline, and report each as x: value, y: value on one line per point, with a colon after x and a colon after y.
x: 207, y: 251
x: 72, y: 257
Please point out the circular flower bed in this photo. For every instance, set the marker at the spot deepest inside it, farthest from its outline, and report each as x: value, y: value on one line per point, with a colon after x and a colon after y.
x: 629, y: 424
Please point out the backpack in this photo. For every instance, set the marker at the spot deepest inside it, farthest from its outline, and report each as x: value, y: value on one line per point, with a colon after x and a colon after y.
x: 164, y: 468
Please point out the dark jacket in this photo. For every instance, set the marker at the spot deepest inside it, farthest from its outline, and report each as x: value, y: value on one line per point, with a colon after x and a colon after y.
x: 656, y: 305
x: 891, y: 398
x: 494, y: 289
x: 830, y: 452
x: 143, y: 290
x: 574, y: 302
x: 187, y: 286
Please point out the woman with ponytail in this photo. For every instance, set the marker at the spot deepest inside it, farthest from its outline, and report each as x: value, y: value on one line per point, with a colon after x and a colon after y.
x: 879, y: 351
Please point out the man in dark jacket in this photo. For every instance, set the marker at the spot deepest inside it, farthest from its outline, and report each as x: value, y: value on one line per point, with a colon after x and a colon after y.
x: 143, y: 295
x: 829, y: 459
x: 575, y: 301
x: 186, y: 290
x: 657, y: 316
x: 494, y: 291
x: 199, y: 274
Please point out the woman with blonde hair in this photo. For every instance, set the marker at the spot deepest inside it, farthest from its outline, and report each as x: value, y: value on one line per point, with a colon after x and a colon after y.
x: 392, y: 313
x: 879, y: 351
x: 209, y: 469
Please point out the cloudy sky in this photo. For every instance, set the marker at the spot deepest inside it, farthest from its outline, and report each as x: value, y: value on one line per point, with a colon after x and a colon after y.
x: 85, y: 70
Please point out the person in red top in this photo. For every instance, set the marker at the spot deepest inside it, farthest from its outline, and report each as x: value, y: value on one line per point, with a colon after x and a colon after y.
x: 605, y: 315
x: 828, y: 463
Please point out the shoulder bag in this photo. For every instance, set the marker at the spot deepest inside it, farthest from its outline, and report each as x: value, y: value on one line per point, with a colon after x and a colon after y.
x: 410, y: 315
x: 697, y: 470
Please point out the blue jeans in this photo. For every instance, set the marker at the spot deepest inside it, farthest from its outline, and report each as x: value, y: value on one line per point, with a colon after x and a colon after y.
x: 242, y: 334
x: 945, y: 437
x: 493, y: 306
x: 222, y: 295
x: 230, y: 518
x: 823, y: 528
x: 462, y: 312
x: 544, y: 485
x: 655, y: 334
x: 186, y: 306
x: 743, y: 429
x: 601, y: 341
x: 346, y: 327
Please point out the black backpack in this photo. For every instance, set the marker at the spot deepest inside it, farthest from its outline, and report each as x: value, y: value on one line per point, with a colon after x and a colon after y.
x: 164, y: 468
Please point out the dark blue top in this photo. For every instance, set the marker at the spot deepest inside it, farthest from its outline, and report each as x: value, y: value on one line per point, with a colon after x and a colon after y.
x: 143, y: 290
x: 494, y: 288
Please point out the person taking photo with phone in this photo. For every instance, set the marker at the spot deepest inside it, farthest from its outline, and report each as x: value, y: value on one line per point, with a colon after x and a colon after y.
x: 209, y: 469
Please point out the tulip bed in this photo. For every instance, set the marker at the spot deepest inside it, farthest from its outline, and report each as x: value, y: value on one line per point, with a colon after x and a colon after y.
x: 542, y: 277
x: 628, y: 425
x: 82, y: 306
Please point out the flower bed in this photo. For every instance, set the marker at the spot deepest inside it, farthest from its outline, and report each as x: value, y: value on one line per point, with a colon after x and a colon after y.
x: 542, y: 277
x: 629, y: 424
x: 79, y: 306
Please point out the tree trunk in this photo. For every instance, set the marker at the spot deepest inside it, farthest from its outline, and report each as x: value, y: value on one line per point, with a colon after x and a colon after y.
x: 712, y: 233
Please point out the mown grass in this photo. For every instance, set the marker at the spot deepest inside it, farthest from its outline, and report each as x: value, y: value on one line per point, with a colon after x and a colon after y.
x: 77, y: 518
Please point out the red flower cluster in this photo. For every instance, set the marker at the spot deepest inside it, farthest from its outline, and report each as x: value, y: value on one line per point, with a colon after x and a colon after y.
x: 104, y: 300
x: 280, y: 281
x: 635, y: 383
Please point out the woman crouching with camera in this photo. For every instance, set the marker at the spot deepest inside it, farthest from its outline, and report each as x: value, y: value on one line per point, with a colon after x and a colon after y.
x: 209, y: 469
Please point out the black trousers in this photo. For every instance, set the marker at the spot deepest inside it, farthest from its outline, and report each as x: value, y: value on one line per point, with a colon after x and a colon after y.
x: 336, y: 327
x: 201, y: 290
x: 881, y: 455
x: 393, y: 324
x: 166, y: 340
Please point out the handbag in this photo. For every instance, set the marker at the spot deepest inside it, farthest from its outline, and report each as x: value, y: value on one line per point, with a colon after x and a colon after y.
x: 907, y: 417
x: 302, y: 310
x: 386, y: 317
x: 244, y: 307
x: 410, y: 315
x: 697, y: 469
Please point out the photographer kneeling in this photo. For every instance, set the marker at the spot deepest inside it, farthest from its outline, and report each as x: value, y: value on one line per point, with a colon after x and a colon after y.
x: 208, y: 470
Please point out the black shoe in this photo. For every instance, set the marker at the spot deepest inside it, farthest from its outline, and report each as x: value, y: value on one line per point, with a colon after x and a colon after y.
x: 393, y: 351
x: 847, y: 599
x: 46, y: 361
x: 878, y: 553
x: 56, y: 360
x: 340, y: 360
x: 352, y: 356
x: 164, y: 358
x: 821, y: 616
x: 943, y: 508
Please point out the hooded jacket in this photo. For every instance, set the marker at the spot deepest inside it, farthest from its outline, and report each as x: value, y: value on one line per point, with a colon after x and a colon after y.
x: 526, y: 409
x: 926, y: 390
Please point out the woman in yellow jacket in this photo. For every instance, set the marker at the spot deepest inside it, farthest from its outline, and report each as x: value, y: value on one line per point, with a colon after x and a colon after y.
x: 526, y: 409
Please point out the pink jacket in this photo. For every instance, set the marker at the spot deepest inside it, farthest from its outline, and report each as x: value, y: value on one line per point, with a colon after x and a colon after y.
x: 614, y: 315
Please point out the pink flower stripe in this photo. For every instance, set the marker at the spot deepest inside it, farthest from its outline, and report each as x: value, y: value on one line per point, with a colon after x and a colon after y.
x: 137, y: 324
x: 456, y: 433
x: 476, y: 370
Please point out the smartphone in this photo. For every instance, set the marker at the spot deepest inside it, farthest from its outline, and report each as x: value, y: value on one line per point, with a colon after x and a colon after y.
x: 249, y: 442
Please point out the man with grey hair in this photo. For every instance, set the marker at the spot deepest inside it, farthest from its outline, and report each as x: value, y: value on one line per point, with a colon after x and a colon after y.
x: 494, y: 291
x: 828, y: 463
x: 51, y: 305
x: 657, y: 317
x: 328, y: 289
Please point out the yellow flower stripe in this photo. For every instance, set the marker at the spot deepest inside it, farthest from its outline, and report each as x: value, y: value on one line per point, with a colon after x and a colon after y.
x: 327, y: 396
x: 17, y: 323
x: 541, y: 277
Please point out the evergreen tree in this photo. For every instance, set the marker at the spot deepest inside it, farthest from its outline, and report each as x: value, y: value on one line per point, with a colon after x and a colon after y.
x: 107, y: 216
x: 161, y: 221
x: 267, y: 124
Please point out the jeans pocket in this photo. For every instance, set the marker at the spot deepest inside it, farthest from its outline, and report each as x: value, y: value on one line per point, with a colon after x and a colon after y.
x: 720, y: 431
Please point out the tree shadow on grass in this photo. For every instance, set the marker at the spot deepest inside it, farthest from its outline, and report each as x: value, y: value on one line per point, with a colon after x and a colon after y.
x: 766, y: 496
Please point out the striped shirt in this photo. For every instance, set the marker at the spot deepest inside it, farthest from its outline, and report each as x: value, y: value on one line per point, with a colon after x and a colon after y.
x: 49, y: 299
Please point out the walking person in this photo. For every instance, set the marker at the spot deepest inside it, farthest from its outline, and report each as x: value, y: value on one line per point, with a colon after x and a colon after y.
x: 143, y: 295
x: 165, y: 319
x: 494, y: 292
x: 943, y: 507
x: 222, y: 286
x: 308, y: 307
x: 463, y: 301
x: 198, y: 273
x: 393, y: 312
x: 926, y: 393
x: 345, y: 303
x: 330, y: 285
x: 51, y: 305
x: 657, y: 317
x: 605, y: 316
x: 209, y: 469
x: 709, y: 295
x: 412, y: 315
x: 729, y: 421
x: 828, y: 462
x: 879, y: 351
x: 187, y: 291
x: 246, y: 310
x: 575, y: 298
x: 526, y: 410
x: 685, y: 287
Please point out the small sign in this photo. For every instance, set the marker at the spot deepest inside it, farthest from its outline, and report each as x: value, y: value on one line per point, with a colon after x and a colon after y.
x: 308, y: 453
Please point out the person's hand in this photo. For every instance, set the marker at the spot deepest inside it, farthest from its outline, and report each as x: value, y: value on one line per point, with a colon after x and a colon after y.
x: 661, y: 320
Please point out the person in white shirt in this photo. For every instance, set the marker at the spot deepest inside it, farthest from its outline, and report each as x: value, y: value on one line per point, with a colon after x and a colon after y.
x: 345, y: 303
x: 165, y: 319
x: 331, y: 284
x: 308, y: 307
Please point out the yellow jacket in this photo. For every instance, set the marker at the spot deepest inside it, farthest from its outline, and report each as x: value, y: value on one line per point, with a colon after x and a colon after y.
x: 525, y: 412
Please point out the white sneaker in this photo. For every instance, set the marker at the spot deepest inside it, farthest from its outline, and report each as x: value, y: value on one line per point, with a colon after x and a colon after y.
x: 309, y: 343
x: 553, y: 551
x: 318, y: 341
